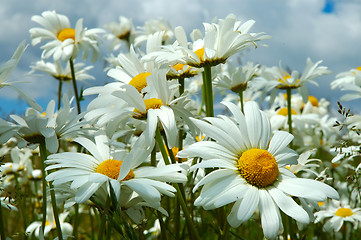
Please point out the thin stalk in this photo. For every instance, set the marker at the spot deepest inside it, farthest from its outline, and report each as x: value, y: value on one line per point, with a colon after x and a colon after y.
x: 225, y: 231
x: 207, y: 82
x: 74, y: 85
x: 52, y: 196
x: 2, y: 228
x: 163, y: 233
x: 241, y: 100
x: 43, y: 156
x: 108, y: 232
x: 183, y: 204
x: 289, y: 109
x: 181, y: 85
x: 76, y: 221
x: 103, y: 220
x: 60, y: 87
x: 91, y: 223
x: 22, y: 203
x: 153, y: 157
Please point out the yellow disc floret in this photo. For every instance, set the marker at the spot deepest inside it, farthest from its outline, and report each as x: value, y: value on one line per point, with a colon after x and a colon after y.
x: 313, y: 100
x: 284, y: 112
x: 151, y: 103
x: 344, y: 212
x: 258, y: 167
x: 200, y: 53
x: 140, y: 81
x: 111, y: 169
x: 66, y: 33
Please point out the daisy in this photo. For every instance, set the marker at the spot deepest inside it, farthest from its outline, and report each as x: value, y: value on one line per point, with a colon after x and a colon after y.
x: 337, y: 214
x: 122, y: 31
x: 64, y: 42
x: 159, y: 104
x: 35, y: 227
x: 221, y: 40
x: 251, y: 170
x: 57, y: 71
x: 236, y: 79
x: 118, y: 169
x: 152, y: 26
x: 277, y: 78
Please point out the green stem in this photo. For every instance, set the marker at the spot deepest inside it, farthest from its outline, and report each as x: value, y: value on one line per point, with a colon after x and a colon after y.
x: 43, y: 156
x: 74, y: 85
x: 289, y: 109
x: 108, y: 232
x: 225, y: 231
x: 181, y: 200
x: 2, y: 228
x: 22, y: 203
x: 52, y: 196
x: 181, y: 86
x: 153, y: 161
x: 241, y: 100
x: 208, y: 92
x: 76, y: 221
x: 103, y: 221
x: 60, y: 92
x: 162, y: 226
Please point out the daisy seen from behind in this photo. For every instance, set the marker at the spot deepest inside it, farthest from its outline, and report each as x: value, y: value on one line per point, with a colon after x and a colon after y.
x: 251, y: 170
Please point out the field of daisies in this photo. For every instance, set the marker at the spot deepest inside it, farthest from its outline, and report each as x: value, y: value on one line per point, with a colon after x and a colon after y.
x: 183, y: 142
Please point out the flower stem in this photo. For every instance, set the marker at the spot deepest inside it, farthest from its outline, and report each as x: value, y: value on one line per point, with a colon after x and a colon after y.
x: 241, y: 100
x: 181, y: 200
x: 60, y: 92
x: 289, y: 109
x: 103, y: 220
x: 207, y: 82
x: 43, y: 157
x: 52, y: 193
x: 76, y: 221
x: 74, y: 85
x: 2, y: 228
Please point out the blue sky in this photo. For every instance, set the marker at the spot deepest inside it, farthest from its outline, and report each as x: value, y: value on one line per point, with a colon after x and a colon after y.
x: 322, y: 30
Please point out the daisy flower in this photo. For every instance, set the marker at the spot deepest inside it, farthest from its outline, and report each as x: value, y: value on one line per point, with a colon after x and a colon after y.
x: 236, y: 79
x: 118, y: 169
x: 64, y: 42
x: 57, y: 71
x: 336, y: 214
x: 35, y: 227
x: 122, y: 31
x: 251, y: 170
x: 158, y: 105
x: 221, y: 40
x: 152, y: 26
x: 277, y: 78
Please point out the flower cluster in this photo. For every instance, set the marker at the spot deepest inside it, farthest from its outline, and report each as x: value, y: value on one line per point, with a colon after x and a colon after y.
x: 154, y: 153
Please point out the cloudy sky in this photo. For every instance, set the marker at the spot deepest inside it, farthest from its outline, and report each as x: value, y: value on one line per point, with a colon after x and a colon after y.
x: 327, y: 30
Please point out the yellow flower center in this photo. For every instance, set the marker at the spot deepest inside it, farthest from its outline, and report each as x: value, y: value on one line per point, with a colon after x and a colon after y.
x: 200, y: 53
x: 111, y: 169
x: 284, y: 112
x: 358, y: 68
x: 258, y: 167
x: 313, y: 100
x: 320, y: 204
x: 179, y: 66
x: 285, y: 84
x: 66, y: 33
x: 344, y: 212
x: 151, y: 103
x: 200, y: 138
x: 140, y: 81
x: 284, y: 78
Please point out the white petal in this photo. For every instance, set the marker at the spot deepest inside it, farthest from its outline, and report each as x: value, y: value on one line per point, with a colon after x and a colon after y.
x: 269, y: 215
